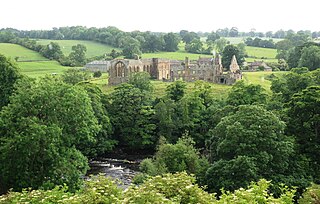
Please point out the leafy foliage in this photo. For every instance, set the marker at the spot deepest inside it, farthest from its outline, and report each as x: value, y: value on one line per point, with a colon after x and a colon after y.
x: 311, y: 195
x: 103, y: 141
x: 131, y: 115
x: 97, y: 74
x: 169, y: 188
x: 141, y: 80
x: 251, y: 139
x: 41, y: 129
x: 172, y: 158
x: 304, y: 124
x: 176, y: 90
x: 78, y: 55
x: 9, y: 74
x: 293, y: 82
x: 74, y: 76
x: 245, y: 94
x: 227, y: 54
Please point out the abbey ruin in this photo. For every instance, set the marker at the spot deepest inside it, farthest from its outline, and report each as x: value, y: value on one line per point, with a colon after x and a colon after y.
x: 207, y: 69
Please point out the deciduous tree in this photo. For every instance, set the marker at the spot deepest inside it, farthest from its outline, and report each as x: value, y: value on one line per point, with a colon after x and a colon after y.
x: 9, y: 74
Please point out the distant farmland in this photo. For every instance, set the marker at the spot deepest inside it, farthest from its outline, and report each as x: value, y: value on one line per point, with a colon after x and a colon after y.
x: 39, y: 65
x: 259, y: 54
x: 93, y: 48
x: 13, y: 50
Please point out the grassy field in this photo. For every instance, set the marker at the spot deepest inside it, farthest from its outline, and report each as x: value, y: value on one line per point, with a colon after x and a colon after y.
x: 217, y: 90
x: 93, y: 48
x: 38, y: 69
x: 259, y: 53
x: 32, y: 69
x: 235, y: 40
x: 181, y: 54
x: 260, y: 78
x: 13, y: 50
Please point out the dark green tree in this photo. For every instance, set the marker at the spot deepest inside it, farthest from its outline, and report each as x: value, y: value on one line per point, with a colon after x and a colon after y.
x: 246, y: 94
x: 212, y: 37
x: 189, y: 36
x: 9, y: 74
x: 227, y: 54
x: 97, y: 74
x: 165, y: 119
x: 304, y: 124
x: 78, y: 55
x: 195, y: 46
x: 141, y: 80
x: 41, y: 129
x: 171, y: 41
x: 293, y: 82
x: 74, y: 76
x: 310, y: 57
x: 52, y: 51
x: 131, y: 116
x: 103, y: 140
x: 253, y: 137
x: 233, y: 32
x: 131, y: 48
x: 176, y: 90
x: 220, y: 44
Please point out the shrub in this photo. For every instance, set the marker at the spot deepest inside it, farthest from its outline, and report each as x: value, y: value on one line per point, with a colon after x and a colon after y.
x: 97, y: 74
x: 169, y: 188
x: 312, y: 195
x: 172, y: 158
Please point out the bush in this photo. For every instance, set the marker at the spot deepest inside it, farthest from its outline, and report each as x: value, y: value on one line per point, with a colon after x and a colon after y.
x: 172, y: 158
x: 256, y: 193
x: 312, y: 195
x: 169, y: 188
x: 97, y: 74
x: 98, y: 189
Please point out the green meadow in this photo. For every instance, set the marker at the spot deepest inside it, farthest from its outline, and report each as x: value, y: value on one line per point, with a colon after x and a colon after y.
x: 181, y: 54
x: 259, y: 54
x: 217, y: 90
x: 93, y: 48
x: 40, y: 67
x: 13, y: 51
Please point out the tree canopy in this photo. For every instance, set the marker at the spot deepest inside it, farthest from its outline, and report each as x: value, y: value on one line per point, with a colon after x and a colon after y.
x: 227, y: 54
x: 41, y: 130
x: 251, y: 139
x: 9, y: 74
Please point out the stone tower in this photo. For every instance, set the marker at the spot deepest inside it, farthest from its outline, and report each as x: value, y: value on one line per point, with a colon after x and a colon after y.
x: 218, y: 68
x: 234, y: 67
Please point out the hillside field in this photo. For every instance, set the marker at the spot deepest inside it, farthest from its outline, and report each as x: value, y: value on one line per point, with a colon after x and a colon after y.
x: 93, y: 48
x: 261, y: 52
x: 13, y: 50
x: 40, y: 67
x: 181, y: 54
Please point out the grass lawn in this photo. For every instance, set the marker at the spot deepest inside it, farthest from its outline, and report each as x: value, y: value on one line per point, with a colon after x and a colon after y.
x: 259, y: 78
x: 181, y: 54
x: 250, y: 59
x: 32, y: 69
x: 13, y: 50
x: 261, y: 52
x: 37, y: 69
x: 217, y: 90
x: 93, y: 48
x: 235, y: 40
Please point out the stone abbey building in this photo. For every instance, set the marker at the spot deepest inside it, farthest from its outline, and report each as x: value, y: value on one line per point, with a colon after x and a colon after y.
x: 207, y: 69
